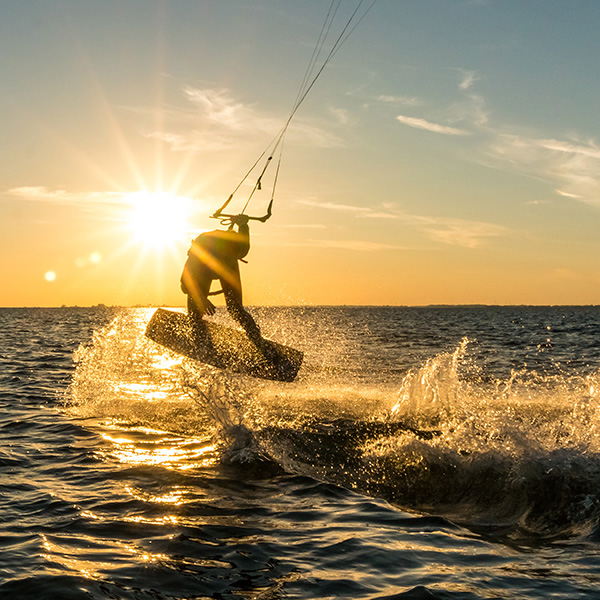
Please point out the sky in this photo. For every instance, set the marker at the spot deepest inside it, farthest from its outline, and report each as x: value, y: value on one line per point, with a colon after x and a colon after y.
x: 446, y: 154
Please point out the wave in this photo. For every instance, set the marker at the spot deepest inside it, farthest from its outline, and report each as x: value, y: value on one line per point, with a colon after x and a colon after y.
x: 519, y: 454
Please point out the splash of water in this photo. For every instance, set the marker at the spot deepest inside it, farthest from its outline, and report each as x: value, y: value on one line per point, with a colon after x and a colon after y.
x: 120, y: 376
x: 525, y: 450
x: 125, y: 380
x: 434, y: 390
x: 444, y: 439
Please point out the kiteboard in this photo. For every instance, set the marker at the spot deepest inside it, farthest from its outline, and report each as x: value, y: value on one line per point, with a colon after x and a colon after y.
x: 223, y: 347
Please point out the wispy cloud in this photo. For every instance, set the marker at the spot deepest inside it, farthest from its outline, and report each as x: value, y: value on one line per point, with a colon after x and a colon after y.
x: 464, y: 116
x: 341, y: 115
x: 451, y: 231
x: 570, y: 165
x: 573, y: 167
x: 213, y: 120
x: 218, y: 107
x: 419, y: 123
x: 467, y: 81
x: 106, y: 206
x: 303, y: 226
x: 356, y: 245
x: 458, y: 232
x: 403, y: 100
x: 43, y: 194
x: 567, y: 194
x: 590, y: 150
x: 334, y: 206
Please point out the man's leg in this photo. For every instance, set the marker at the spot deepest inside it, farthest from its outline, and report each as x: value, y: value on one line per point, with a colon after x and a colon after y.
x: 235, y: 307
x: 197, y: 290
x: 193, y: 310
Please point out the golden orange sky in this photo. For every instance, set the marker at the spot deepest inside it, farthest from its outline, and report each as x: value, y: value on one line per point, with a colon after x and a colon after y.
x: 443, y: 157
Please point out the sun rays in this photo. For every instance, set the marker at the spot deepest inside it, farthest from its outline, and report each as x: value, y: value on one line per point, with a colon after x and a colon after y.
x: 141, y: 217
x: 159, y: 220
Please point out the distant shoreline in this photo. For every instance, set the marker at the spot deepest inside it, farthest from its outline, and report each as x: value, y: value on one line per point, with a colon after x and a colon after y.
x: 120, y: 307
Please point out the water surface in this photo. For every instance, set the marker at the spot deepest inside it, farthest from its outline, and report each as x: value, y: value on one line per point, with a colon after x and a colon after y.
x: 441, y: 452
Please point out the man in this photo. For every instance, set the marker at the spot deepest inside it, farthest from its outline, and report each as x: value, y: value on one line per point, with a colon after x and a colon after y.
x: 215, y: 255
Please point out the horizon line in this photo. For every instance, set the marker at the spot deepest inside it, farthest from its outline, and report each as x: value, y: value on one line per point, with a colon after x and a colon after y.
x: 436, y: 305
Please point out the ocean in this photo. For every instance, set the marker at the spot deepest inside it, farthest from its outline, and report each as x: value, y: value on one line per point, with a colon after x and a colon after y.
x: 423, y: 453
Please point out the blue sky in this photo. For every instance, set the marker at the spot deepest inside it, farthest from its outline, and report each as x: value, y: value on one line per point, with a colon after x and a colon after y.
x: 447, y: 154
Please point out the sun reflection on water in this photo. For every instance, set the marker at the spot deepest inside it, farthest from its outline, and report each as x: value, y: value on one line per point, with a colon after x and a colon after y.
x: 174, y: 452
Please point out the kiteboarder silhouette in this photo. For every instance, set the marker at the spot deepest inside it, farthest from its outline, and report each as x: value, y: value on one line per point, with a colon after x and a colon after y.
x: 215, y: 255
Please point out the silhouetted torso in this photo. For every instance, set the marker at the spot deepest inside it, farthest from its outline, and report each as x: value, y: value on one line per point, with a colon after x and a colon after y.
x: 215, y: 255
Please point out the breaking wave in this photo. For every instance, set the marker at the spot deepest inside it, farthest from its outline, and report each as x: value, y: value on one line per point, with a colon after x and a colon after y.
x: 519, y: 455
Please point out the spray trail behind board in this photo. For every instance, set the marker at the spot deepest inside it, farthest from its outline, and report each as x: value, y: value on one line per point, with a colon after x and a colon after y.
x: 518, y: 452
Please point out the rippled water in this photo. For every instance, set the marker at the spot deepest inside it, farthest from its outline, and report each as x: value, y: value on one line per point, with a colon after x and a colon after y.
x: 449, y: 453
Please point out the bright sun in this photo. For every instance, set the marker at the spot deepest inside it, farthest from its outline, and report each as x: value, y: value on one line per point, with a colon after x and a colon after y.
x: 159, y: 219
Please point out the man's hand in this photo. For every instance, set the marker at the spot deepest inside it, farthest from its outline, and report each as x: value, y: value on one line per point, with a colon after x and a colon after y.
x: 239, y: 220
